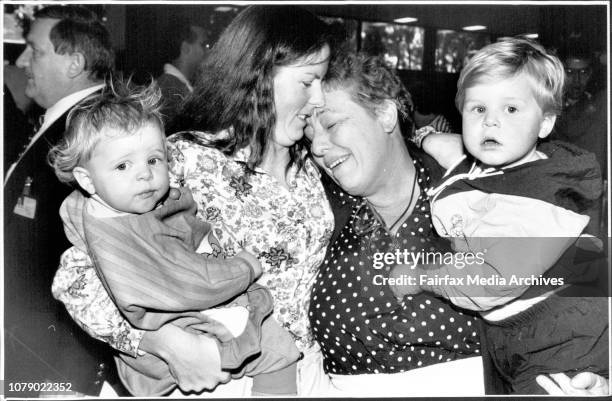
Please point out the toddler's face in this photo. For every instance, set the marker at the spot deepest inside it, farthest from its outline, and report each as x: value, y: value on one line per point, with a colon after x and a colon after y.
x: 502, y: 122
x: 130, y: 172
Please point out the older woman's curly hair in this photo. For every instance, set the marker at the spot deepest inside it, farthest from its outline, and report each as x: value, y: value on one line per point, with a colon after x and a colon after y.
x: 371, y: 83
x: 121, y: 107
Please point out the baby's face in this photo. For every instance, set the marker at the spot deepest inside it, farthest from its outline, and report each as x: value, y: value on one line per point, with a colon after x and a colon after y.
x: 502, y: 121
x: 130, y: 172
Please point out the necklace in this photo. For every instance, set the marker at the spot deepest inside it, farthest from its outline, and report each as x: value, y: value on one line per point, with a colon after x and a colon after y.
x: 399, y: 219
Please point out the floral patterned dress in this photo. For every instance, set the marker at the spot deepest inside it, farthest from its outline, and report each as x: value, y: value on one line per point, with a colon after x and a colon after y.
x: 287, y: 228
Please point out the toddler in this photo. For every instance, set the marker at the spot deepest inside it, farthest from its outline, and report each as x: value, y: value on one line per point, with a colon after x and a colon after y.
x: 146, y: 242
x: 516, y: 217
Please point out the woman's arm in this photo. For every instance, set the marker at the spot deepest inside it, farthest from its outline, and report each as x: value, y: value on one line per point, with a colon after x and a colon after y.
x: 445, y: 148
x: 78, y: 287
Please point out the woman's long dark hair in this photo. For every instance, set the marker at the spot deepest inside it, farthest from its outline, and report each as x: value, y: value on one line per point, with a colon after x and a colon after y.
x: 234, y: 92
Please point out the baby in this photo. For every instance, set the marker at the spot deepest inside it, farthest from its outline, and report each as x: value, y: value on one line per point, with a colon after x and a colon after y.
x: 516, y: 217
x: 145, y: 242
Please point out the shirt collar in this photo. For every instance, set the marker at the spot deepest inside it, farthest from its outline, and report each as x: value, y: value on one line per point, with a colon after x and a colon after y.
x: 64, y: 104
x: 242, y: 156
x: 175, y: 72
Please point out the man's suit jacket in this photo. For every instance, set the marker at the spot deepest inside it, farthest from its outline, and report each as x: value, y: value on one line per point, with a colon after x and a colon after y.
x: 174, y: 91
x: 41, y: 340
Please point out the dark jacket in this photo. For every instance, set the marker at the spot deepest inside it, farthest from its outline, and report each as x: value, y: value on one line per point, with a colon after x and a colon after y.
x: 174, y: 91
x: 41, y: 341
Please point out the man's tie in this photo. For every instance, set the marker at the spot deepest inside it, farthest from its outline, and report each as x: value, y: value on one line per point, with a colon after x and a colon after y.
x: 26, y: 145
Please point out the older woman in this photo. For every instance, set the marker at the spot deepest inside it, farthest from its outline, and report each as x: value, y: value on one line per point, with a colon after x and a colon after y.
x: 357, y: 139
x: 242, y: 159
x: 372, y: 345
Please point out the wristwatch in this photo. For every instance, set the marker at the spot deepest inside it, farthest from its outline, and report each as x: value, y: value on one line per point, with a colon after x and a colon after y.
x: 421, y: 133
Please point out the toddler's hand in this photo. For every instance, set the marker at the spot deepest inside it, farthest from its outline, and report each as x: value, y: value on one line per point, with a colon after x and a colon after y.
x: 403, y: 280
x: 174, y: 193
x: 252, y: 260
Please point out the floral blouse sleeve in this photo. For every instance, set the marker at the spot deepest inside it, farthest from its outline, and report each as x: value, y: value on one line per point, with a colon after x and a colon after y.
x: 78, y: 287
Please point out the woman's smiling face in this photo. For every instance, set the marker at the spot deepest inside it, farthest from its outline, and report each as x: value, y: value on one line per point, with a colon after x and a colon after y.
x: 297, y: 91
x: 349, y: 143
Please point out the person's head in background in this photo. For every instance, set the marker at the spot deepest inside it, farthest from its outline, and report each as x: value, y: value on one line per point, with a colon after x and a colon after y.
x: 509, y: 95
x: 578, y: 71
x: 260, y: 82
x: 68, y: 49
x: 425, y: 102
x: 187, y: 47
x: 357, y: 138
x: 114, y: 148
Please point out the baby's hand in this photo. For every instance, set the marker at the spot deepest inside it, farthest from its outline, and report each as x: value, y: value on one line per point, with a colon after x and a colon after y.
x: 403, y: 280
x: 252, y: 260
x: 174, y: 194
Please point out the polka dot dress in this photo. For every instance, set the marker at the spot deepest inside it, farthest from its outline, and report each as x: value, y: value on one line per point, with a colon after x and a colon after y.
x: 360, y: 325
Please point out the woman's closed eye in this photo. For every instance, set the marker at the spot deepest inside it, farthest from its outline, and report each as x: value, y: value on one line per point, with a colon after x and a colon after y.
x: 333, y: 125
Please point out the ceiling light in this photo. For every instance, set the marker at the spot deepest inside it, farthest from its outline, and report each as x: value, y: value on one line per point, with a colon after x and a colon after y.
x: 474, y: 28
x: 531, y: 35
x: 224, y: 9
x: 406, y: 20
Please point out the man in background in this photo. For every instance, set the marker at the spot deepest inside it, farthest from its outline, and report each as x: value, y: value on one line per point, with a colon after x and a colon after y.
x: 583, y: 121
x: 67, y: 58
x: 188, y: 47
